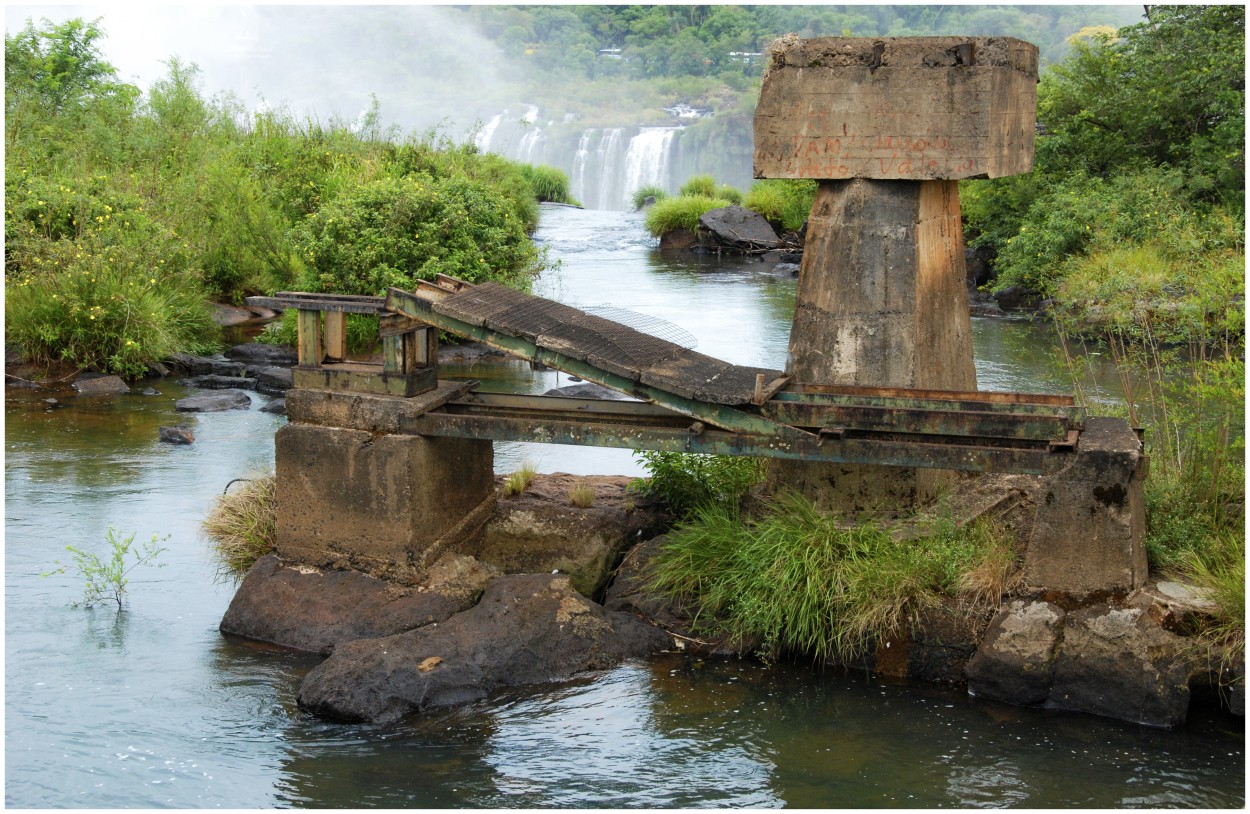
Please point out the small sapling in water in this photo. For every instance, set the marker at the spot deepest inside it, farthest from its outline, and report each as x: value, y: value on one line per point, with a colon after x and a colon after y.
x: 106, y: 580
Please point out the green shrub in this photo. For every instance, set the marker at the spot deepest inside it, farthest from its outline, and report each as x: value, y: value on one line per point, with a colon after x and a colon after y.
x: 118, y: 298
x: 640, y: 196
x: 396, y: 231
x: 784, y: 203
x: 728, y: 193
x: 804, y: 582
x: 685, y: 482
x: 704, y: 185
x: 679, y: 213
x: 242, y: 524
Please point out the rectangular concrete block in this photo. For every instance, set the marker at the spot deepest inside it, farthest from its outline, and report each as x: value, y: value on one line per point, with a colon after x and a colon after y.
x: 1087, y: 534
x: 348, y: 497
x: 897, y: 108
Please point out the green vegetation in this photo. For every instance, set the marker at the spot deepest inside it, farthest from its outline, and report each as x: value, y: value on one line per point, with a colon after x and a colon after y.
x: 686, y: 482
x: 702, y: 185
x: 786, y: 204
x: 242, y: 524
x: 582, y: 495
x: 517, y: 482
x: 640, y: 196
x: 682, y: 212
x: 106, y: 580
x: 125, y: 213
x: 1142, y: 161
x: 803, y: 582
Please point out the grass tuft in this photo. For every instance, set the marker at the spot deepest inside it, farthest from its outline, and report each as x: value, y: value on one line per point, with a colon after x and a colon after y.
x: 518, y: 481
x: 680, y: 213
x: 242, y: 524
x: 582, y: 495
x: 640, y: 196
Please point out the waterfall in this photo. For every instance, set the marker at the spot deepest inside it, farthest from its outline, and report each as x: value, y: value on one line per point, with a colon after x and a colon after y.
x: 646, y: 160
x: 595, y: 177
x: 483, y: 138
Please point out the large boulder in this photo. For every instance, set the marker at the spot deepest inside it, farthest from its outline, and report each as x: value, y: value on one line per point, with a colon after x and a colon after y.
x: 272, y: 380
x: 311, y: 609
x: 540, y: 531
x: 527, y: 629
x: 204, y: 366
x: 92, y: 384
x: 736, y: 227
x: 214, y: 382
x: 1016, y: 660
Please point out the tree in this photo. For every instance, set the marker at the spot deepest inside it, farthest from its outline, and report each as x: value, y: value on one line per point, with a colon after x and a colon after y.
x: 59, y: 68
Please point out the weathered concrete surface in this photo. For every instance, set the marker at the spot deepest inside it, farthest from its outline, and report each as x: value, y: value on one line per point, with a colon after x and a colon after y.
x: 1107, y: 659
x: 539, y: 531
x: 527, y: 629
x: 1087, y: 536
x: 882, y: 301
x: 382, y: 504
x: 906, y: 108
x: 362, y: 411
x: 306, y: 608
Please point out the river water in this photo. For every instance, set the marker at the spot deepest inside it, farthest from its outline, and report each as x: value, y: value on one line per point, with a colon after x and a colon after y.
x: 152, y: 707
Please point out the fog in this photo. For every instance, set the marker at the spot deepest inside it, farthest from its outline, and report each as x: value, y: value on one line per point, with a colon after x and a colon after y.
x: 425, y: 66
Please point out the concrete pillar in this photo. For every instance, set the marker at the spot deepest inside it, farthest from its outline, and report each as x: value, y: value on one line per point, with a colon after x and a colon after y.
x: 887, y: 125
x: 353, y: 491
x: 881, y: 302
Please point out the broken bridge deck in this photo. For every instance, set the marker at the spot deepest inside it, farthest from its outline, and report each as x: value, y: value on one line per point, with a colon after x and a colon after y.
x: 692, y: 402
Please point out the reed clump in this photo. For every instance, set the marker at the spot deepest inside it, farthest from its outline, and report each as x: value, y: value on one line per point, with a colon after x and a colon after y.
x: 242, y: 525
x: 806, y: 582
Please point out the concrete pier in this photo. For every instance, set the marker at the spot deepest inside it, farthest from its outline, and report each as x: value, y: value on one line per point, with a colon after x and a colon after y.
x: 887, y: 125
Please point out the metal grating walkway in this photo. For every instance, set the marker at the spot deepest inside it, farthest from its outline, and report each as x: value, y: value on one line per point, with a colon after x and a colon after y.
x: 604, y: 344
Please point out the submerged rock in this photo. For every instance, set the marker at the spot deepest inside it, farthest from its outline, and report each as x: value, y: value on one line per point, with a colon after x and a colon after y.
x: 179, y: 434
x: 527, y: 629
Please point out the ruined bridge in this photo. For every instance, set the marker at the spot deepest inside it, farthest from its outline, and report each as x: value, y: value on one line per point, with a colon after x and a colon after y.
x: 382, y: 467
x: 690, y: 402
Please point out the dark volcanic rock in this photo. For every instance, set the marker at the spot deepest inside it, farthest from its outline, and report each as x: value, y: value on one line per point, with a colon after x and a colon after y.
x: 527, y: 629
x: 213, y: 382
x: 277, y: 407
x: 214, y: 402
x: 272, y: 381
x: 203, y: 366
x: 177, y: 435
x: 1016, y: 659
x: 539, y: 531
x: 1017, y: 298
x: 679, y: 239
x: 258, y: 353
x: 309, y: 609
x: 89, y: 384
x: 736, y: 227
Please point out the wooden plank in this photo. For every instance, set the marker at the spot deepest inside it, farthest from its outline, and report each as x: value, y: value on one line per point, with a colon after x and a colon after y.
x: 334, y: 336
x: 393, y: 324
x: 348, y: 303
x: 393, y: 355
x: 310, y: 347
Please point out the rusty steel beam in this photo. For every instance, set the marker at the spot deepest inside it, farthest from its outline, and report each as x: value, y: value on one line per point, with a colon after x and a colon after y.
x: 464, y: 420
x: 349, y: 303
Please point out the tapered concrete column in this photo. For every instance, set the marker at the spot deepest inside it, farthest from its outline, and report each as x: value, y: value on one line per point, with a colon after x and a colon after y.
x: 881, y: 302
x: 888, y: 125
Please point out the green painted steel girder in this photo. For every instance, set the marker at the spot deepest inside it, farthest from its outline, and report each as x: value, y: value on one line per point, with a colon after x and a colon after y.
x: 718, y: 415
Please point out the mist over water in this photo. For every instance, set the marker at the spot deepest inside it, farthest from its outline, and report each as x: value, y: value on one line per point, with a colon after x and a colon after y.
x: 426, y: 68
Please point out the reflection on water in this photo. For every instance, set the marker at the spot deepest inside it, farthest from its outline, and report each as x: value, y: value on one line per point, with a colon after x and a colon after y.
x: 154, y: 708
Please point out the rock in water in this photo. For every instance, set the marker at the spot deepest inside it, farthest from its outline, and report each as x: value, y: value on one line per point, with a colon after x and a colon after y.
x: 736, y: 227
x: 527, y: 629
x: 214, y: 402
x: 177, y: 435
x: 93, y: 385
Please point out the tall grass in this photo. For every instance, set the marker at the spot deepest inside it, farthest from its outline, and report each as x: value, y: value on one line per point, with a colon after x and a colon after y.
x: 242, y: 524
x: 784, y: 203
x: 640, y: 196
x: 806, y: 583
x: 680, y: 213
